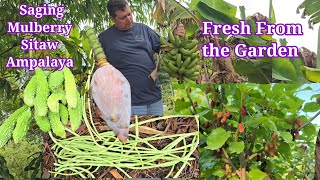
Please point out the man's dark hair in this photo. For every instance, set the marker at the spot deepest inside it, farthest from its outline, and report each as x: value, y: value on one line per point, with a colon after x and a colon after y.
x: 116, y: 5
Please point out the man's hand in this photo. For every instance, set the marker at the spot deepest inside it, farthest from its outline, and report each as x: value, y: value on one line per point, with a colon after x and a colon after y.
x: 179, y: 30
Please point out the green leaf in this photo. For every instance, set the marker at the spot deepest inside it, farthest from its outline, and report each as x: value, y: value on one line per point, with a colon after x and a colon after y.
x: 181, y: 105
x: 253, y: 123
x: 298, y: 63
x: 256, y: 174
x: 283, y: 42
x: 220, y: 173
x: 206, y: 161
x: 232, y: 108
x: 86, y: 46
x: 272, y: 16
x: 286, y: 136
x: 214, y: 15
x: 309, y: 130
x: 257, y: 71
x: 193, y: 4
x: 267, y: 123
x: 242, y: 12
x: 191, y: 29
x: 284, y: 149
x: 311, y: 107
x: 241, y: 37
x: 254, y: 40
x: 279, y: 77
x: 222, y: 6
x: 217, y: 138
x: 314, y: 96
x: 282, y: 68
x: 75, y: 32
x: 236, y: 147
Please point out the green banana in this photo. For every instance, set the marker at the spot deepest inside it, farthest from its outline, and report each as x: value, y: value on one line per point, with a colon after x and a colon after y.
x: 186, y: 79
x: 179, y: 60
x: 190, y: 71
x: 167, y: 56
x: 184, y: 41
x: 177, y: 41
x: 195, y: 54
x: 186, y: 62
x: 194, y: 78
x: 172, y: 67
x: 167, y: 69
x: 193, y: 63
x: 174, y: 51
x: 171, y: 37
x: 163, y: 41
x: 194, y: 74
x: 172, y: 57
x: 185, y: 52
x: 194, y: 49
x: 169, y: 60
x: 191, y: 45
x: 181, y: 70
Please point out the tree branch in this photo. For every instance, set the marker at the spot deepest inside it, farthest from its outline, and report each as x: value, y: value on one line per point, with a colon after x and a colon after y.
x: 230, y: 162
x: 13, y: 46
x: 309, y: 122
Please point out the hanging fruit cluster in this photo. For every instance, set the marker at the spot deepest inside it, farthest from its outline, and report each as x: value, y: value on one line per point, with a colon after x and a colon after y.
x: 271, y: 147
x: 181, y: 61
x: 222, y: 116
x: 298, y: 123
x: 52, y: 99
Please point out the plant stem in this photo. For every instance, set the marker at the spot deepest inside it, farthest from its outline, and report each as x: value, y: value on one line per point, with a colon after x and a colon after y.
x: 309, y: 122
x: 318, y: 53
x: 230, y: 162
x: 270, y: 11
x: 194, y: 109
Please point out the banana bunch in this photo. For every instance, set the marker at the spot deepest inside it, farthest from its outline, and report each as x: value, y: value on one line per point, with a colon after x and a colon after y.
x: 181, y: 61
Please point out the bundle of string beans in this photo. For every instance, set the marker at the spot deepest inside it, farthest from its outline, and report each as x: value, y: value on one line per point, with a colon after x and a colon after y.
x: 83, y: 155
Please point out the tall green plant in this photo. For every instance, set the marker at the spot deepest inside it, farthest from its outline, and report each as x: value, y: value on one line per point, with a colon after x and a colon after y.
x: 311, y: 8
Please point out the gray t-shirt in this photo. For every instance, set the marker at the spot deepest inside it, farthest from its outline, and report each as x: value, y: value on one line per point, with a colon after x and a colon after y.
x: 131, y: 53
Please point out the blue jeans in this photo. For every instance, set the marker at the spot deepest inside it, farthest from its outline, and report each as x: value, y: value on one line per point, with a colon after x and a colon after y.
x: 152, y: 109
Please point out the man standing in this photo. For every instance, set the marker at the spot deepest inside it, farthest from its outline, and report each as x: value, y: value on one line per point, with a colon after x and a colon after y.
x: 129, y: 47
